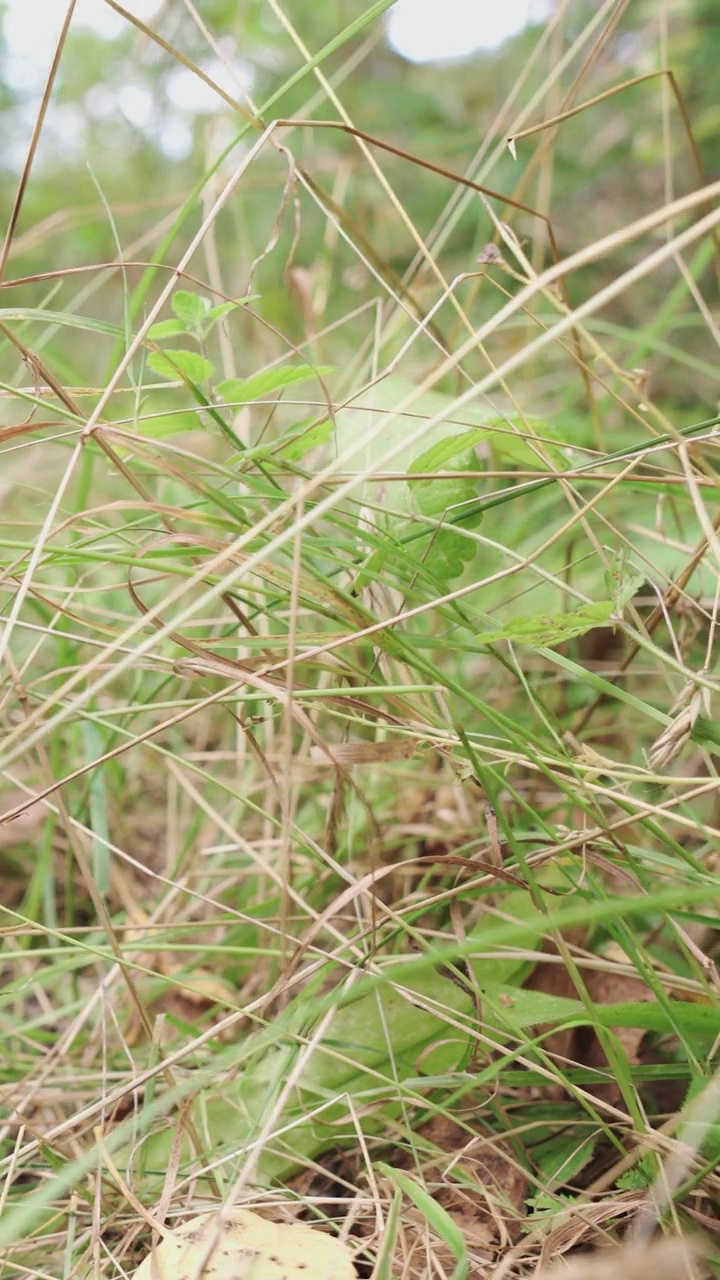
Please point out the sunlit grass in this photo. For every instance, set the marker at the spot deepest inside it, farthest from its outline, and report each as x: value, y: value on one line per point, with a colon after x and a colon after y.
x: 361, y: 796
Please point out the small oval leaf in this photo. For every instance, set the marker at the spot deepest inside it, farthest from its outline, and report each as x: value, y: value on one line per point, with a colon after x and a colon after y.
x: 190, y: 308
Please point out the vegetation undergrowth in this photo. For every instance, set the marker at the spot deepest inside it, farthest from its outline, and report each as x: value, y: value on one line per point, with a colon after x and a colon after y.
x: 360, y: 584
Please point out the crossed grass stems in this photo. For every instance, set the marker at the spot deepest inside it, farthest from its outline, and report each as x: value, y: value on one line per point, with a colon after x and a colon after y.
x: 416, y: 688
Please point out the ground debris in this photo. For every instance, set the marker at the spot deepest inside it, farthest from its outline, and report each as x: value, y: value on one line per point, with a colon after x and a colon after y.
x: 659, y: 1260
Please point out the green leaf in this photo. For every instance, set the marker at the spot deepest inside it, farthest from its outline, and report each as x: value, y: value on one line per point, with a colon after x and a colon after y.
x: 519, y: 446
x: 372, y: 1043
x: 439, y: 455
x: 61, y: 318
x: 261, y: 384
x: 621, y: 583
x: 519, y: 906
x: 162, y: 426
x: 294, y: 446
x: 190, y: 308
x: 380, y: 402
x: 386, y: 1252
x: 435, y: 1215
x: 549, y: 629
x: 181, y: 363
x: 165, y: 329
x: 561, y: 1157
x: 633, y: 1180
x: 519, y: 1009
x: 545, y: 1205
x: 223, y: 309
x: 447, y: 550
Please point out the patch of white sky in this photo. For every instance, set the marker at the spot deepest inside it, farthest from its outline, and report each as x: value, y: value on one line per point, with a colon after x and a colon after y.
x: 441, y: 30
x: 418, y: 30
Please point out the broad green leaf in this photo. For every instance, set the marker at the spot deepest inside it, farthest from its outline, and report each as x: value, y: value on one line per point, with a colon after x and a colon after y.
x: 371, y: 1045
x: 560, y: 1157
x: 511, y: 439
x: 520, y: 1009
x: 181, y: 363
x: 261, y: 384
x: 377, y: 406
x: 440, y: 455
x: 165, y: 329
x: 517, y: 905
x: 224, y: 309
x: 161, y: 426
x: 446, y: 551
x: 549, y: 629
x: 294, y: 446
x: 190, y: 308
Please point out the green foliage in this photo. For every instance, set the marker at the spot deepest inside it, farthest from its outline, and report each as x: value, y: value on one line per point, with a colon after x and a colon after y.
x: 191, y: 310
x: 245, y: 390
x: 323, y: 723
x: 622, y: 584
x: 545, y: 630
x: 372, y: 1046
x: 182, y: 363
x: 440, y: 1221
x: 560, y: 1157
x: 701, y: 1126
x: 294, y: 445
x: 448, y: 551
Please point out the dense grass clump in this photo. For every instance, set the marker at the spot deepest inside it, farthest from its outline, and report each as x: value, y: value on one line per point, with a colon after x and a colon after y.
x: 360, y: 567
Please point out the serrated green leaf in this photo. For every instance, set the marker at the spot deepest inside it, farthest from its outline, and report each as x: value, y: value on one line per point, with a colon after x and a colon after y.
x: 190, y: 308
x: 160, y: 426
x: 249, y: 389
x: 519, y: 446
x: 447, y: 554
x: 223, y: 309
x: 549, y: 629
x: 636, y: 1179
x: 295, y: 446
x: 178, y: 363
x: 165, y: 329
x: 562, y: 1156
x: 446, y: 551
x: 439, y: 455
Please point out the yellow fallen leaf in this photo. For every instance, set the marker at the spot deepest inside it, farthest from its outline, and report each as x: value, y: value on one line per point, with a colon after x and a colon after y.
x: 248, y: 1248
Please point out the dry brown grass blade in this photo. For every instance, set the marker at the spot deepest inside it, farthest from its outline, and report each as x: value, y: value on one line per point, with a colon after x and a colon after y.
x: 554, y: 121
x: 35, y: 137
